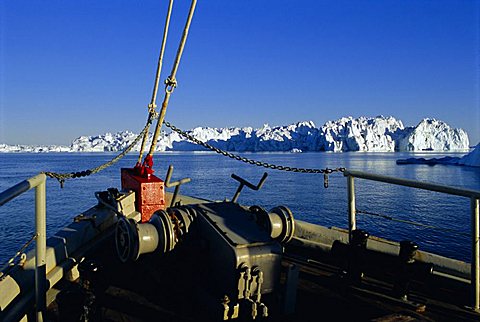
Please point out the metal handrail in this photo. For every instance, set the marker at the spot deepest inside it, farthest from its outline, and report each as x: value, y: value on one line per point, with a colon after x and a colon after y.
x: 473, y: 195
x: 37, y: 182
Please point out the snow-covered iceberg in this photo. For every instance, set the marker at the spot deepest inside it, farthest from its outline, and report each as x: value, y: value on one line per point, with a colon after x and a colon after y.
x: 6, y: 148
x: 472, y: 159
x: 360, y: 134
x: 432, y: 135
x: 374, y: 134
x: 104, y: 142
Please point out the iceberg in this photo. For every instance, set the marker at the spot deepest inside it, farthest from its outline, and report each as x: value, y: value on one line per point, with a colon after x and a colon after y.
x: 360, y: 134
x: 367, y: 134
x: 432, y: 135
x: 6, y: 148
x: 471, y: 159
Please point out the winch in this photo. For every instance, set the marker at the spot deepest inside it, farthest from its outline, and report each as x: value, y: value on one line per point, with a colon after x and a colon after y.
x: 238, y: 250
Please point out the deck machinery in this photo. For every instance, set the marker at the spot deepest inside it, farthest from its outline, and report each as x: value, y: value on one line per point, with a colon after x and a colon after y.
x: 233, y: 253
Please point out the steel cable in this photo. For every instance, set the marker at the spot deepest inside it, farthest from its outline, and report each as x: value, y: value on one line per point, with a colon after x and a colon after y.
x: 11, y: 261
x: 171, y: 81
x: 413, y: 223
x: 152, y: 106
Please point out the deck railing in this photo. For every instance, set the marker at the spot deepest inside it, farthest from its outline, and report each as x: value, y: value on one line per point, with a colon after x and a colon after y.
x: 473, y: 195
x: 37, y: 182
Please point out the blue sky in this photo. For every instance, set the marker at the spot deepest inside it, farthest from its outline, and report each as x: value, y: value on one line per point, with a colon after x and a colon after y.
x: 71, y: 68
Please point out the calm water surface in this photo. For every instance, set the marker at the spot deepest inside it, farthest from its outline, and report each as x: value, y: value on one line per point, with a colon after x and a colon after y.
x: 304, y: 194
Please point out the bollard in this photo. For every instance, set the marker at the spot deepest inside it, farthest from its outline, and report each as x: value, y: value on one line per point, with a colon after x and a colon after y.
x: 406, y: 257
x: 357, y: 248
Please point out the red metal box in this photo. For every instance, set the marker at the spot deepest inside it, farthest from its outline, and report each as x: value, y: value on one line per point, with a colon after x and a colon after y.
x: 149, y: 192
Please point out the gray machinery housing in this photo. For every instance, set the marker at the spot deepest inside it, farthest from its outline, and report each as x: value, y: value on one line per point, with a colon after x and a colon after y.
x: 237, y: 249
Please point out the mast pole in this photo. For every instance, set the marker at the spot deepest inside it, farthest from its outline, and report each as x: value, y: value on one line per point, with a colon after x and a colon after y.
x: 171, y: 83
x: 152, y: 106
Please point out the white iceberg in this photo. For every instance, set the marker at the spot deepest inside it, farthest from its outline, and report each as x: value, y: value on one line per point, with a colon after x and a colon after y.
x: 374, y: 134
x: 432, y: 135
x: 360, y: 134
x: 472, y: 159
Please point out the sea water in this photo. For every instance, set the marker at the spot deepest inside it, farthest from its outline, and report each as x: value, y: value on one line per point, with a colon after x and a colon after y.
x: 303, y: 193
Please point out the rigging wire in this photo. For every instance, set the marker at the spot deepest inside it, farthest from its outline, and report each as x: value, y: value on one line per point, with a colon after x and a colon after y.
x: 171, y: 82
x: 413, y: 223
x: 20, y: 253
x: 153, y: 106
x: 170, y: 85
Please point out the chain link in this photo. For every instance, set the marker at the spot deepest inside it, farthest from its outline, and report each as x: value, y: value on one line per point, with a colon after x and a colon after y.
x: 325, y: 171
x: 61, y: 177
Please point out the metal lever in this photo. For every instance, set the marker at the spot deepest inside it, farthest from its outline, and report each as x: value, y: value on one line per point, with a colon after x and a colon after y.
x: 244, y: 182
x: 175, y: 184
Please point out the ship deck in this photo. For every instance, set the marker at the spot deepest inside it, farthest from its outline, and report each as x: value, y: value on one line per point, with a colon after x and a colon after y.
x: 153, y: 289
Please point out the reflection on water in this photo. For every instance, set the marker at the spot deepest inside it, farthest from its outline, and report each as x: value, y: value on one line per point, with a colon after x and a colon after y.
x: 303, y: 193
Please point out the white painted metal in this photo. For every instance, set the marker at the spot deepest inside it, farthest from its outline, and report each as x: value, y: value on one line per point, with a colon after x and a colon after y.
x: 474, y: 196
x: 37, y: 182
x: 414, y: 184
x: 352, y: 221
x: 475, y: 280
x: 40, y: 244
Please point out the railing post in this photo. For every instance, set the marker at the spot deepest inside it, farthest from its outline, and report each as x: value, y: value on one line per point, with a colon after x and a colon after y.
x: 475, y: 267
x: 352, y: 223
x: 40, y: 248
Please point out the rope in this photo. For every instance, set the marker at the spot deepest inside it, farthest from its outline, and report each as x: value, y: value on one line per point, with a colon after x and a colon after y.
x: 152, y: 106
x: 18, y: 253
x: 171, y: 82
x: 170, y: 85
x: 410, y: 222
x: 325, y: 171
x: 61, y: 177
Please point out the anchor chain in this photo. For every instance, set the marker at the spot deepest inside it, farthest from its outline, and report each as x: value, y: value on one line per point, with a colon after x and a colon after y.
x: 61, y: 177
x: 267, y: 165
x: 170, y: 85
